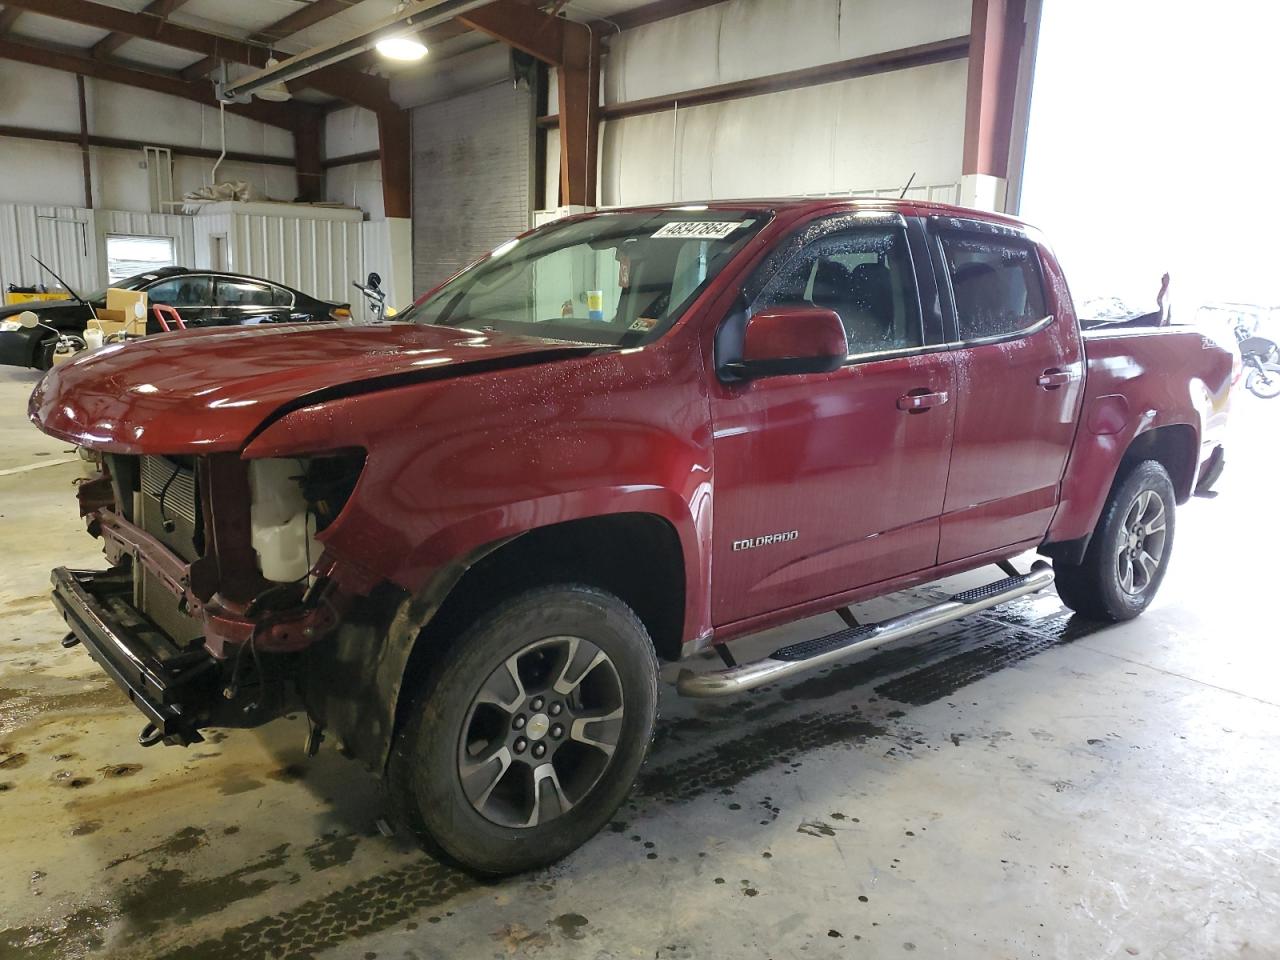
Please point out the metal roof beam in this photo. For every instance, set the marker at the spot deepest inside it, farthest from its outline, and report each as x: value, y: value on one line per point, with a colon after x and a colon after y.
x: 57, y: 58
x: 356, y: 88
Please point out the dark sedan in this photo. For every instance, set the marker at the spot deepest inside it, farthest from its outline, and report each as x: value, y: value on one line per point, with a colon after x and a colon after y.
x: 204, y: 298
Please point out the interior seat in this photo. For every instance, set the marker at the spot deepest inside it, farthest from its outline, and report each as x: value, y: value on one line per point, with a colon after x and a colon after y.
x: 832, y: 289
x: 869, y: 323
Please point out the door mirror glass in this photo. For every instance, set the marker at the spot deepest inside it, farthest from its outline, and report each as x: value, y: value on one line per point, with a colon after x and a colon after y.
x: 28, y: 319
x: 791, y: 340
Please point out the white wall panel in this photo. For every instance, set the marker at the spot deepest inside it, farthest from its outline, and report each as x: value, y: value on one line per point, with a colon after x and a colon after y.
x: 852, y: 136
x: 72, y: 240
x: 63, y: 237
x: 44, y: 172
x: 387, y: 246
x: 317, y: 251
x: 350, y: 130
x: 38, y: 97
x: 41, y: 172
x: 356, y: 185
x: 751, y: 38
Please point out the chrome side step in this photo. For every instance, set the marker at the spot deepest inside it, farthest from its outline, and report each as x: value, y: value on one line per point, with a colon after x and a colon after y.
x: 808, y: 654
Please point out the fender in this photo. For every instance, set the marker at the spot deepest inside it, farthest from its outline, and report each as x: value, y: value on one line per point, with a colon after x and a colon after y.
x: 1093, y: 465
x: 422, y: 567
x: 354, y: 682
x: 1138, y: 381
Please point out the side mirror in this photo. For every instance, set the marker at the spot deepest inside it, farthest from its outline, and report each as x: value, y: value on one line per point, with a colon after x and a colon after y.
x: 375, y: 281
x: 28, y: 319
x: 791, y: 340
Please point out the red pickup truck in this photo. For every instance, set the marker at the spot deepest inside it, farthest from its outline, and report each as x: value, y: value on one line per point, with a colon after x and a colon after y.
x: 462, y: 541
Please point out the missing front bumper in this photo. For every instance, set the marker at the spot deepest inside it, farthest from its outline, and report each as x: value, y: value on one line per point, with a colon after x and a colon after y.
x: 175, y: 688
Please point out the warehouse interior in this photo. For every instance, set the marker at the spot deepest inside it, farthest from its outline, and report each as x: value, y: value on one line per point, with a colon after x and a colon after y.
x: 1022, y: 781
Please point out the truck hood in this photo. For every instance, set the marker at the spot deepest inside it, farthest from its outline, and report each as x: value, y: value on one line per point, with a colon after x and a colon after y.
x: 206, y: 391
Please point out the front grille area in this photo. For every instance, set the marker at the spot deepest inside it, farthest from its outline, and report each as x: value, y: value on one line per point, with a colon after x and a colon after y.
x: 173, y: 488
x: 168, y: 508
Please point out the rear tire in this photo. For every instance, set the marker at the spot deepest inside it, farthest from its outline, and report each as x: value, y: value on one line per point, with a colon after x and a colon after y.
x: 1129, y: 552
x: 529, y: 732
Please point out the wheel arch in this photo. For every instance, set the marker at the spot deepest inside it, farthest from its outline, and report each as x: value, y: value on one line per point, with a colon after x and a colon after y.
x: 1175, y: 446
x: 359, y: 686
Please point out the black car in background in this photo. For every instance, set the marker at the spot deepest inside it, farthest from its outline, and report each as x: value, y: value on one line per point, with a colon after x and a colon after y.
x: 204, y: 298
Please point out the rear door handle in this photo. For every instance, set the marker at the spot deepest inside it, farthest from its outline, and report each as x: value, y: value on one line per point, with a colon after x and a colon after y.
x: 918, y: 401
x: 1052, y: 379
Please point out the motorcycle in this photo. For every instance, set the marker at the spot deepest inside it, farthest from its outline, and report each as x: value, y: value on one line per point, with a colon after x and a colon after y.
x: 1262, y: 359
x: 376, y: 296
x: 65, y: 345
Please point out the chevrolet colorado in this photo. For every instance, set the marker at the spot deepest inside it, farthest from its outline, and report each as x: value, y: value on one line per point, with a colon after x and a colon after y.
x: 462, y: 541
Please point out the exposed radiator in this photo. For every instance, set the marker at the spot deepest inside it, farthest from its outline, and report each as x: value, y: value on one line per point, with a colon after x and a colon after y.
x: 172, y: 486
x: 167, y: 492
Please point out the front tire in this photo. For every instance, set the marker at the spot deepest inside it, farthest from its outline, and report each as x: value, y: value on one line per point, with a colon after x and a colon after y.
x: 1265, y: 383
x: 529, y: 732
x: 1129, y: 552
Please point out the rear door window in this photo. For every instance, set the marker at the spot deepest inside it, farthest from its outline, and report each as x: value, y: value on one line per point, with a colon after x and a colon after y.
x: 242, y: 293
x: 996, y: 284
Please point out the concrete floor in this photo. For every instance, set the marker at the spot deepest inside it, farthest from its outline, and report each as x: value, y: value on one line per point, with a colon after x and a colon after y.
x: 1025, y: 786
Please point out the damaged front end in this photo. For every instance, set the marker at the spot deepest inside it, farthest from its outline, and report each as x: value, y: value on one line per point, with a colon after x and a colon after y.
x: 218, y: 582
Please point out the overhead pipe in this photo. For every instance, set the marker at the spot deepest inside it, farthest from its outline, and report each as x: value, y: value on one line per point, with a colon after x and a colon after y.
x: 419, y: 15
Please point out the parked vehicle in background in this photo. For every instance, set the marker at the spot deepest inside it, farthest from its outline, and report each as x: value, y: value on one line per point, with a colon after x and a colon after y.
x: 462, y: 540
x: 1261, y: 358
x: 204, y: 298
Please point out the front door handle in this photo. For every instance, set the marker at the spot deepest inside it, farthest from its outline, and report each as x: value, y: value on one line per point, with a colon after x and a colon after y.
x: 1053, y: 378
x: 920, y: 400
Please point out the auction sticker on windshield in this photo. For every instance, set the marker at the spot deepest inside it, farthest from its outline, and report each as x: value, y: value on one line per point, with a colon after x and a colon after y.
x: 697, y: 230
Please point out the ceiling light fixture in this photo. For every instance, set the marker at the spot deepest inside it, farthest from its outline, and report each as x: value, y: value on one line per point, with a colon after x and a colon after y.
x: 275, y: 92
x: 403, y: 46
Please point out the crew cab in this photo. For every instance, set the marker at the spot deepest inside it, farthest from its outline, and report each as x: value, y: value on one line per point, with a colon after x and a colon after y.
x: 462, y: 541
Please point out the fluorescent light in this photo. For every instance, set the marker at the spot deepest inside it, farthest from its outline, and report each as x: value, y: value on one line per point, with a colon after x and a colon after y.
x: 402, y: 48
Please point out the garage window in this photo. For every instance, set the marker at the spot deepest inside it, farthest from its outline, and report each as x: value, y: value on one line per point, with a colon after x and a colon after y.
x: 996, y: 284
x: 130, y: 255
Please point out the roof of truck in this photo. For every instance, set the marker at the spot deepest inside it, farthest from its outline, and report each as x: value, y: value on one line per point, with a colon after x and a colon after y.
x: 907, y: 207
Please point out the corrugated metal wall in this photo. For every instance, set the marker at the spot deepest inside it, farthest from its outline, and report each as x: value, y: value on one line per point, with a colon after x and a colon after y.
x: 72, y: 240
x: 317, y: 251
x: 63, y: 237
x: 472, y: 178
x: 320, y: 254
x: 862, y: 136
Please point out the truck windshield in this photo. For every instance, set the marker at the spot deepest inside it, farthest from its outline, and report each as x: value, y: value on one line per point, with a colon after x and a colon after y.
x: 617, y: 279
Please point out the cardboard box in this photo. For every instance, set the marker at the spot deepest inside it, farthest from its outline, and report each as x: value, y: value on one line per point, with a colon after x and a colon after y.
x: 121, y: 314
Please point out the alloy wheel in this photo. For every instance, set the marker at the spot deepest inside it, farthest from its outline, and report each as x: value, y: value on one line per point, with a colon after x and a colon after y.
x: 541, y: 731
x: 1142, y: 542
